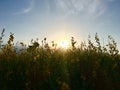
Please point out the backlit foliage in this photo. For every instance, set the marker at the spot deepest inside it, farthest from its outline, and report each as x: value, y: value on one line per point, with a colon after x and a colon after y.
x: 43, y: 66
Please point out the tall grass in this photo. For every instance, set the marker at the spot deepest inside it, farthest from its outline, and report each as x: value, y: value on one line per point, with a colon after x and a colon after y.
x: 40, y: 67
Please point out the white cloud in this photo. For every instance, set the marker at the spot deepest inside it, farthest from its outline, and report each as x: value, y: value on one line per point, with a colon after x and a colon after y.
x: 90, y: 7
x: 111, y: 0
x: 27, y: 9
x: 96, y: 7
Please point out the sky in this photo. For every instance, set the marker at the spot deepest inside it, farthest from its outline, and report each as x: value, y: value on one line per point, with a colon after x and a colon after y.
x: 60, y: 20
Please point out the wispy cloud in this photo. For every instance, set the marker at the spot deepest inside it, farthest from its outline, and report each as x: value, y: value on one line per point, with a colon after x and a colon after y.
x: 27, y: 9
x: 111, y: 0
x: 90, y: 7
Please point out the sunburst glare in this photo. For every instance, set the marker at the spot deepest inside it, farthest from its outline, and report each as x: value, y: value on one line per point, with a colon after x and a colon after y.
x: 64, y: 44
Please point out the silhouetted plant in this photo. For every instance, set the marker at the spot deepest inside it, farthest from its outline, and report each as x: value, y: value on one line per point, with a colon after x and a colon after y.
x: 112, y: 46
x: 99, y: 48
x: 87, y: 67
x: 91, y: 46
x: 73, y: 42
x: 1, y: 37
x: 34, y: 45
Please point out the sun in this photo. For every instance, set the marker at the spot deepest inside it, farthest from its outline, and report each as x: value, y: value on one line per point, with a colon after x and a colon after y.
x: 64, y: 44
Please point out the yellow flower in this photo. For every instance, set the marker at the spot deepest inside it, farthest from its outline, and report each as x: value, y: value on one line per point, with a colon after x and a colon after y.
x: 35, y: 58
x: 65, y: 86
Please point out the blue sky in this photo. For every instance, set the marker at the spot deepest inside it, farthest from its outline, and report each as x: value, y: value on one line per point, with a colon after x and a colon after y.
x: 60, y: 19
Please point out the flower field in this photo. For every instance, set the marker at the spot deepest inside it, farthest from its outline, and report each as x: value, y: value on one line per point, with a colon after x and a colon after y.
x: 42, y: 66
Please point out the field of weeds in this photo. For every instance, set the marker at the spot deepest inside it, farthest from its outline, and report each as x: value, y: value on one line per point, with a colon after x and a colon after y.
x: 90, y: 66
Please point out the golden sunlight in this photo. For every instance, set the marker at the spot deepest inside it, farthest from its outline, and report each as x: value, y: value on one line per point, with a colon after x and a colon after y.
x: 63, y: 44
